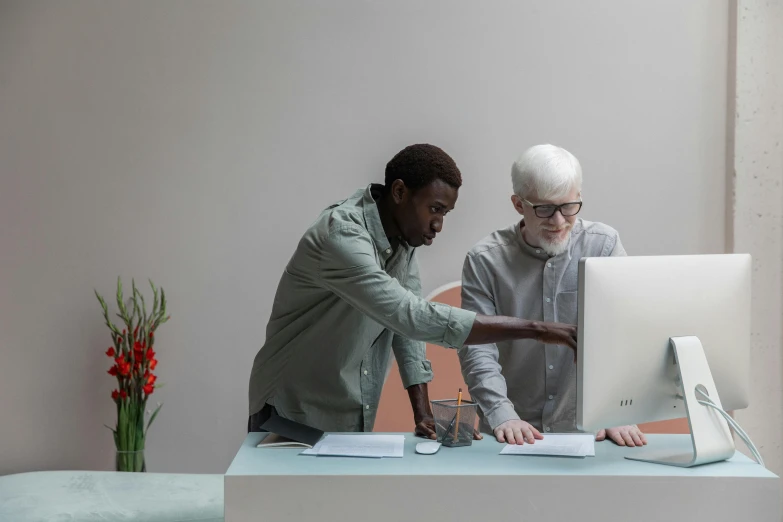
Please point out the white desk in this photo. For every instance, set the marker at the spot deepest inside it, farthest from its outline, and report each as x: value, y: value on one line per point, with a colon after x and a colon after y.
x: 477, y: 484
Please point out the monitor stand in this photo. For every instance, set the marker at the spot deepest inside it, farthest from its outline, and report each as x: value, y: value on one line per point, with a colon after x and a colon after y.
x: 710, y: 434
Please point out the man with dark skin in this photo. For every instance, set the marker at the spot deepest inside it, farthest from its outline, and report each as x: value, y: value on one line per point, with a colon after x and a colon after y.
x: 351, y: 294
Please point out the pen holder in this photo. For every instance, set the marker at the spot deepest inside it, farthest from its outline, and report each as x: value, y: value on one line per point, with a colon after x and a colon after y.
x: 454, y: 424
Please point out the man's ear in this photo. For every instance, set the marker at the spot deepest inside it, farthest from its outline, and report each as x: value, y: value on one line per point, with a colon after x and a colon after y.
x: 518, y: 206
x: 399, y: 191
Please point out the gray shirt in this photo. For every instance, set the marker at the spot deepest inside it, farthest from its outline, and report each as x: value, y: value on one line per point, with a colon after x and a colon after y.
x: 347, y: 298
x: 526, y: 379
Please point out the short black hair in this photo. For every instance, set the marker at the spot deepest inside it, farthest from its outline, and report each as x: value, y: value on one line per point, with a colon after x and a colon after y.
x: 419, y: 165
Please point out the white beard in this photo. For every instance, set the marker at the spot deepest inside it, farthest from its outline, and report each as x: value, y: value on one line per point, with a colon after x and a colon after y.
x: 555, y: 248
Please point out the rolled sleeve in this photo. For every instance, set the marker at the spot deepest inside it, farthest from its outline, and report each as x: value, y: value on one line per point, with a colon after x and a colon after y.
x: 458, y: 328
x: 414, y: 372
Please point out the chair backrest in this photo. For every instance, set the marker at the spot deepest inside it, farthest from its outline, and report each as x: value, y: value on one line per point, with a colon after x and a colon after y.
x: 394, y: 409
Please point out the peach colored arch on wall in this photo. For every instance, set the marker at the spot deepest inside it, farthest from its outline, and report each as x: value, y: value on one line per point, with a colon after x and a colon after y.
x: 394, y: 410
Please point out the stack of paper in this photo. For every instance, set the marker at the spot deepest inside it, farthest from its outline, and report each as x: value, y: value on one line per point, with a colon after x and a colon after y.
x: 556, y: 444
x: 365, y: 445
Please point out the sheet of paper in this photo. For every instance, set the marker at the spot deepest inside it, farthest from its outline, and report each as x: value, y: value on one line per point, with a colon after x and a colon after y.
x: 556, y: 444
x: 364, y: 445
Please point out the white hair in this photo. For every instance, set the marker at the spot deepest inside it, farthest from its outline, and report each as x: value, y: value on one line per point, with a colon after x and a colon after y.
x: 546, y: 172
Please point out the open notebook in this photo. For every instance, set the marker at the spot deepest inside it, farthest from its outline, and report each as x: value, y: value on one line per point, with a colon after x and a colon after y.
x: 284, y: 433
x: 273, y: 440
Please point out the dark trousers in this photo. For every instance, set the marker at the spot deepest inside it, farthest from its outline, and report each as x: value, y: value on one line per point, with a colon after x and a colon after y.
x: 255, y: 421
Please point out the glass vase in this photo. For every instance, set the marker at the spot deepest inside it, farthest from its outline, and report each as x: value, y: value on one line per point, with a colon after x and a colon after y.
x: 132, y: 461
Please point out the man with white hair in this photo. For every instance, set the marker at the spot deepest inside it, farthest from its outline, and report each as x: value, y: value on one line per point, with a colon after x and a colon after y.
x: 530, y: 269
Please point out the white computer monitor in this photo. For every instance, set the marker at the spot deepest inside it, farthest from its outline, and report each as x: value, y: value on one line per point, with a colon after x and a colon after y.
x: 651, y: 328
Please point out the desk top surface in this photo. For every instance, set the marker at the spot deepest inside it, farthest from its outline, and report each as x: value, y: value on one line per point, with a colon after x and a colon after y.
x: 483, y: 458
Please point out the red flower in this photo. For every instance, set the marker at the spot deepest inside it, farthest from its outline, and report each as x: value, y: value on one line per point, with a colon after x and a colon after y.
x: 153, y: 363
x: 123, y: 366
x: 123, y: 394
x: 151, y: 332
x: 135, y: 332
x: 110, y: 352
x: 113, y: 371
x: 138, y: 347
x: 150, y: 353
x: 119, y: 339
x: 151, y: 379
x: 115, y: 394
x: 148, y: 389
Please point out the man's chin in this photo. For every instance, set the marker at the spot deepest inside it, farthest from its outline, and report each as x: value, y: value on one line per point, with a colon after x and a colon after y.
x: 555, y: 248
x: 418, y: 241
x: 413, y: 243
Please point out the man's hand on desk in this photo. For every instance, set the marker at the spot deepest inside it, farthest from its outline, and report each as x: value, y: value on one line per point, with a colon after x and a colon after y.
x: 425, y: 428
x: 623, y: 436
x: 422, y: 414
x: 517, y: 432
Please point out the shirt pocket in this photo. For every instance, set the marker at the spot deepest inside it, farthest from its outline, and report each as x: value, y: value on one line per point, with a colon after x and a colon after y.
x: 566, y: 306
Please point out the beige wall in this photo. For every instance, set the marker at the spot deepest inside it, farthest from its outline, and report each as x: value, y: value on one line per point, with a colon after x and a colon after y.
x: 192, y: 142
x: 757, y: 217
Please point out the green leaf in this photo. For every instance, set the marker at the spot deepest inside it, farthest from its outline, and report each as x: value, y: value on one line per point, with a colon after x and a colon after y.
x: 100, y: 300
x: 162, y: 302
x: 152, y: 418
x: 119, y: 293
x: 155, y: 300
x: 136, y: 309
x: 122, y: 427
x: 105, y: 308
x: 143, y: 309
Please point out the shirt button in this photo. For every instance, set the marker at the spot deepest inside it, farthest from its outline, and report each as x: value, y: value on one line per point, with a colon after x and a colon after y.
x: 551, y: 397
x: 549, y: 265
x: 546, y: 428
x: 388, y: 250
x: 551, y: 367
x: 367, y: 407
x: 538, y: 251
x: 365, y: 372
x: 548, y: 300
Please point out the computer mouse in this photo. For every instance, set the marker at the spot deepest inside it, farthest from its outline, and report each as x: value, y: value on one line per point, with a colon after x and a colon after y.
x: 427, y: 448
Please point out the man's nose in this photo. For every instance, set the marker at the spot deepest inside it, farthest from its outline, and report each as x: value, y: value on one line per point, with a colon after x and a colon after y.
x: 437, y: 225
x: 557, y: 218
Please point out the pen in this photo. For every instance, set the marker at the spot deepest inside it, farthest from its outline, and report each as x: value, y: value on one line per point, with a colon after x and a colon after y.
x: 456, y: 424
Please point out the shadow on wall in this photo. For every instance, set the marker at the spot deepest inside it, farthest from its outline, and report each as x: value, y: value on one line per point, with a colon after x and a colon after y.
x: 394, y: 410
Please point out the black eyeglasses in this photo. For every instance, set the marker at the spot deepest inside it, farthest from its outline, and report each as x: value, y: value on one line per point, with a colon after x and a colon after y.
x: 547, y: 211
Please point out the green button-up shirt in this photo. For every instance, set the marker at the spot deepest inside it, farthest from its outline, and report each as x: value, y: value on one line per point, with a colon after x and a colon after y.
x: 347, y: 299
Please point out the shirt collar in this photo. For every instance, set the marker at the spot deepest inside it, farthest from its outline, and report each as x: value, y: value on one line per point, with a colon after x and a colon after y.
x: 372, y: 219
